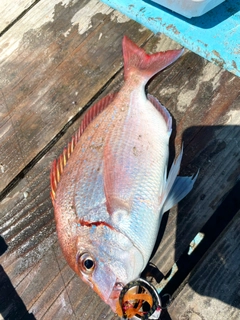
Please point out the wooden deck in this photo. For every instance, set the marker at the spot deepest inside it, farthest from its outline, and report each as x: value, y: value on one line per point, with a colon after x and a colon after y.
x: 57, y: 58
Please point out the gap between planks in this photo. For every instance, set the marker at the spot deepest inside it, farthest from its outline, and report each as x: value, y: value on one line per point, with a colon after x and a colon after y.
x: 54, y: 140
x: 15, y: 12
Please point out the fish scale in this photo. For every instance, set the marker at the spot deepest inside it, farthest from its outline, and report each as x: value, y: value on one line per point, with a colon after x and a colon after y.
x: 110, y: 186
x: 143, y: 170
x: 90, y: 177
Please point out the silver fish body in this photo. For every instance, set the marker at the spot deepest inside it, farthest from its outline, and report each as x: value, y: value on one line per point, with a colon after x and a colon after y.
x: 110, y: 188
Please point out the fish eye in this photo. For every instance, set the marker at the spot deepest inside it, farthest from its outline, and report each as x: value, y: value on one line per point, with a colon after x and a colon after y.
x: 86, y: 263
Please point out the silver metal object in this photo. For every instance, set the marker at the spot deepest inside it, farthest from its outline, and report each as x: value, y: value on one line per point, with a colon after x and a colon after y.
x: 142, y: 285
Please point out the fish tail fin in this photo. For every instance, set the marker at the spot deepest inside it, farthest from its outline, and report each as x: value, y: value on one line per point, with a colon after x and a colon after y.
x: 135, y: 58
x: 177, y: 187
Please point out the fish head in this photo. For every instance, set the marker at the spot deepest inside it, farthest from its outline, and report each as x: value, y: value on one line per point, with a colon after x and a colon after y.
x: 102, y: 256
x: 107, y: 260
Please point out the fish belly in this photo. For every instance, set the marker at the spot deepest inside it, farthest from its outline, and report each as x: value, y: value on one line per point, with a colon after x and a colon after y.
x: 135, y: 163
x: 116, y: 173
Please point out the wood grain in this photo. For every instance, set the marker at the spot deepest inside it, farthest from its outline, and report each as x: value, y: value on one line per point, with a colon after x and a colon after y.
x: 12, y: 11
x: 186, y: 88
x: 213, y: 289
x: 204, y: 101
x: 53, y: 62
x: 52, y: 68
x: 34, y: 262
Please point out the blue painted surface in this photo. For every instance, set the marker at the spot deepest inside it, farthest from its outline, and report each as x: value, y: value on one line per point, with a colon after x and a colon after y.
x: 195, y: 242
x: 214, y: 36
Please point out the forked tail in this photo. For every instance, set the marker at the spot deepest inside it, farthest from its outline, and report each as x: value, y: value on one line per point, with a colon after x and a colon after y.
x: 147, y: 65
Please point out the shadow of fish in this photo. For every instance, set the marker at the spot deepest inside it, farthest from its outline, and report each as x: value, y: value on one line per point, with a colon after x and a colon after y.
x: 110, y: 186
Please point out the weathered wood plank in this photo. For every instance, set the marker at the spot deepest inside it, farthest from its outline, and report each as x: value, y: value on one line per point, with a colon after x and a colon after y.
x: 34, y: 263
x: 204, y: 101
x: 213, y: 289
x: 214, y: 35
x: 206, y: 112
x: 53, y: 61
x: 216, y: 178
x: 12, y: 10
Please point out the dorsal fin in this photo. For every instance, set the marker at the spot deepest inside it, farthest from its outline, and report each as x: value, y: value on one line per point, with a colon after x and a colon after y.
x: 59, y: 164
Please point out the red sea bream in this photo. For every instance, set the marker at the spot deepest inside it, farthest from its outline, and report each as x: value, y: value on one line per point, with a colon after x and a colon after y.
x: 110, y: 186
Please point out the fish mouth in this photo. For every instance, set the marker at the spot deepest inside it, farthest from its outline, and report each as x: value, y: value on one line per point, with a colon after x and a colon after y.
x: 116, y: 290
x: 107, y: 286
x: 113, y: 299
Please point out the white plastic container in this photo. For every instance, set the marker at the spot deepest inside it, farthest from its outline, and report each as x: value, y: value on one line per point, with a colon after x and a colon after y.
x: 189, y: 8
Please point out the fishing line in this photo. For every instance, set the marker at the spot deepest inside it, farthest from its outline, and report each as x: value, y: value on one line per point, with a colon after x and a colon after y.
x: 65, y: 287
x: 12, y: 183
x: 14, y: 130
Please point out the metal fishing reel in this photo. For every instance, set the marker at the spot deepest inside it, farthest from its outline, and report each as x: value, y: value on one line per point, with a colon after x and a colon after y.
x: 139, y: 300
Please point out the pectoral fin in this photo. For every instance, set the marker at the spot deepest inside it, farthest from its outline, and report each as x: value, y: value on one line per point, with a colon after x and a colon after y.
x: 176, y: 187
x: 181, y: 187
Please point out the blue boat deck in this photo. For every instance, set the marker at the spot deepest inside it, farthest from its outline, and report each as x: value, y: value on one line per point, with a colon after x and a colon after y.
x: 214, y: 36
x: 57, y: 58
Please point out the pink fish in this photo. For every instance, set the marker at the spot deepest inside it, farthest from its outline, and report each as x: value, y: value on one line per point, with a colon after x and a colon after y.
x: 110, y: 186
